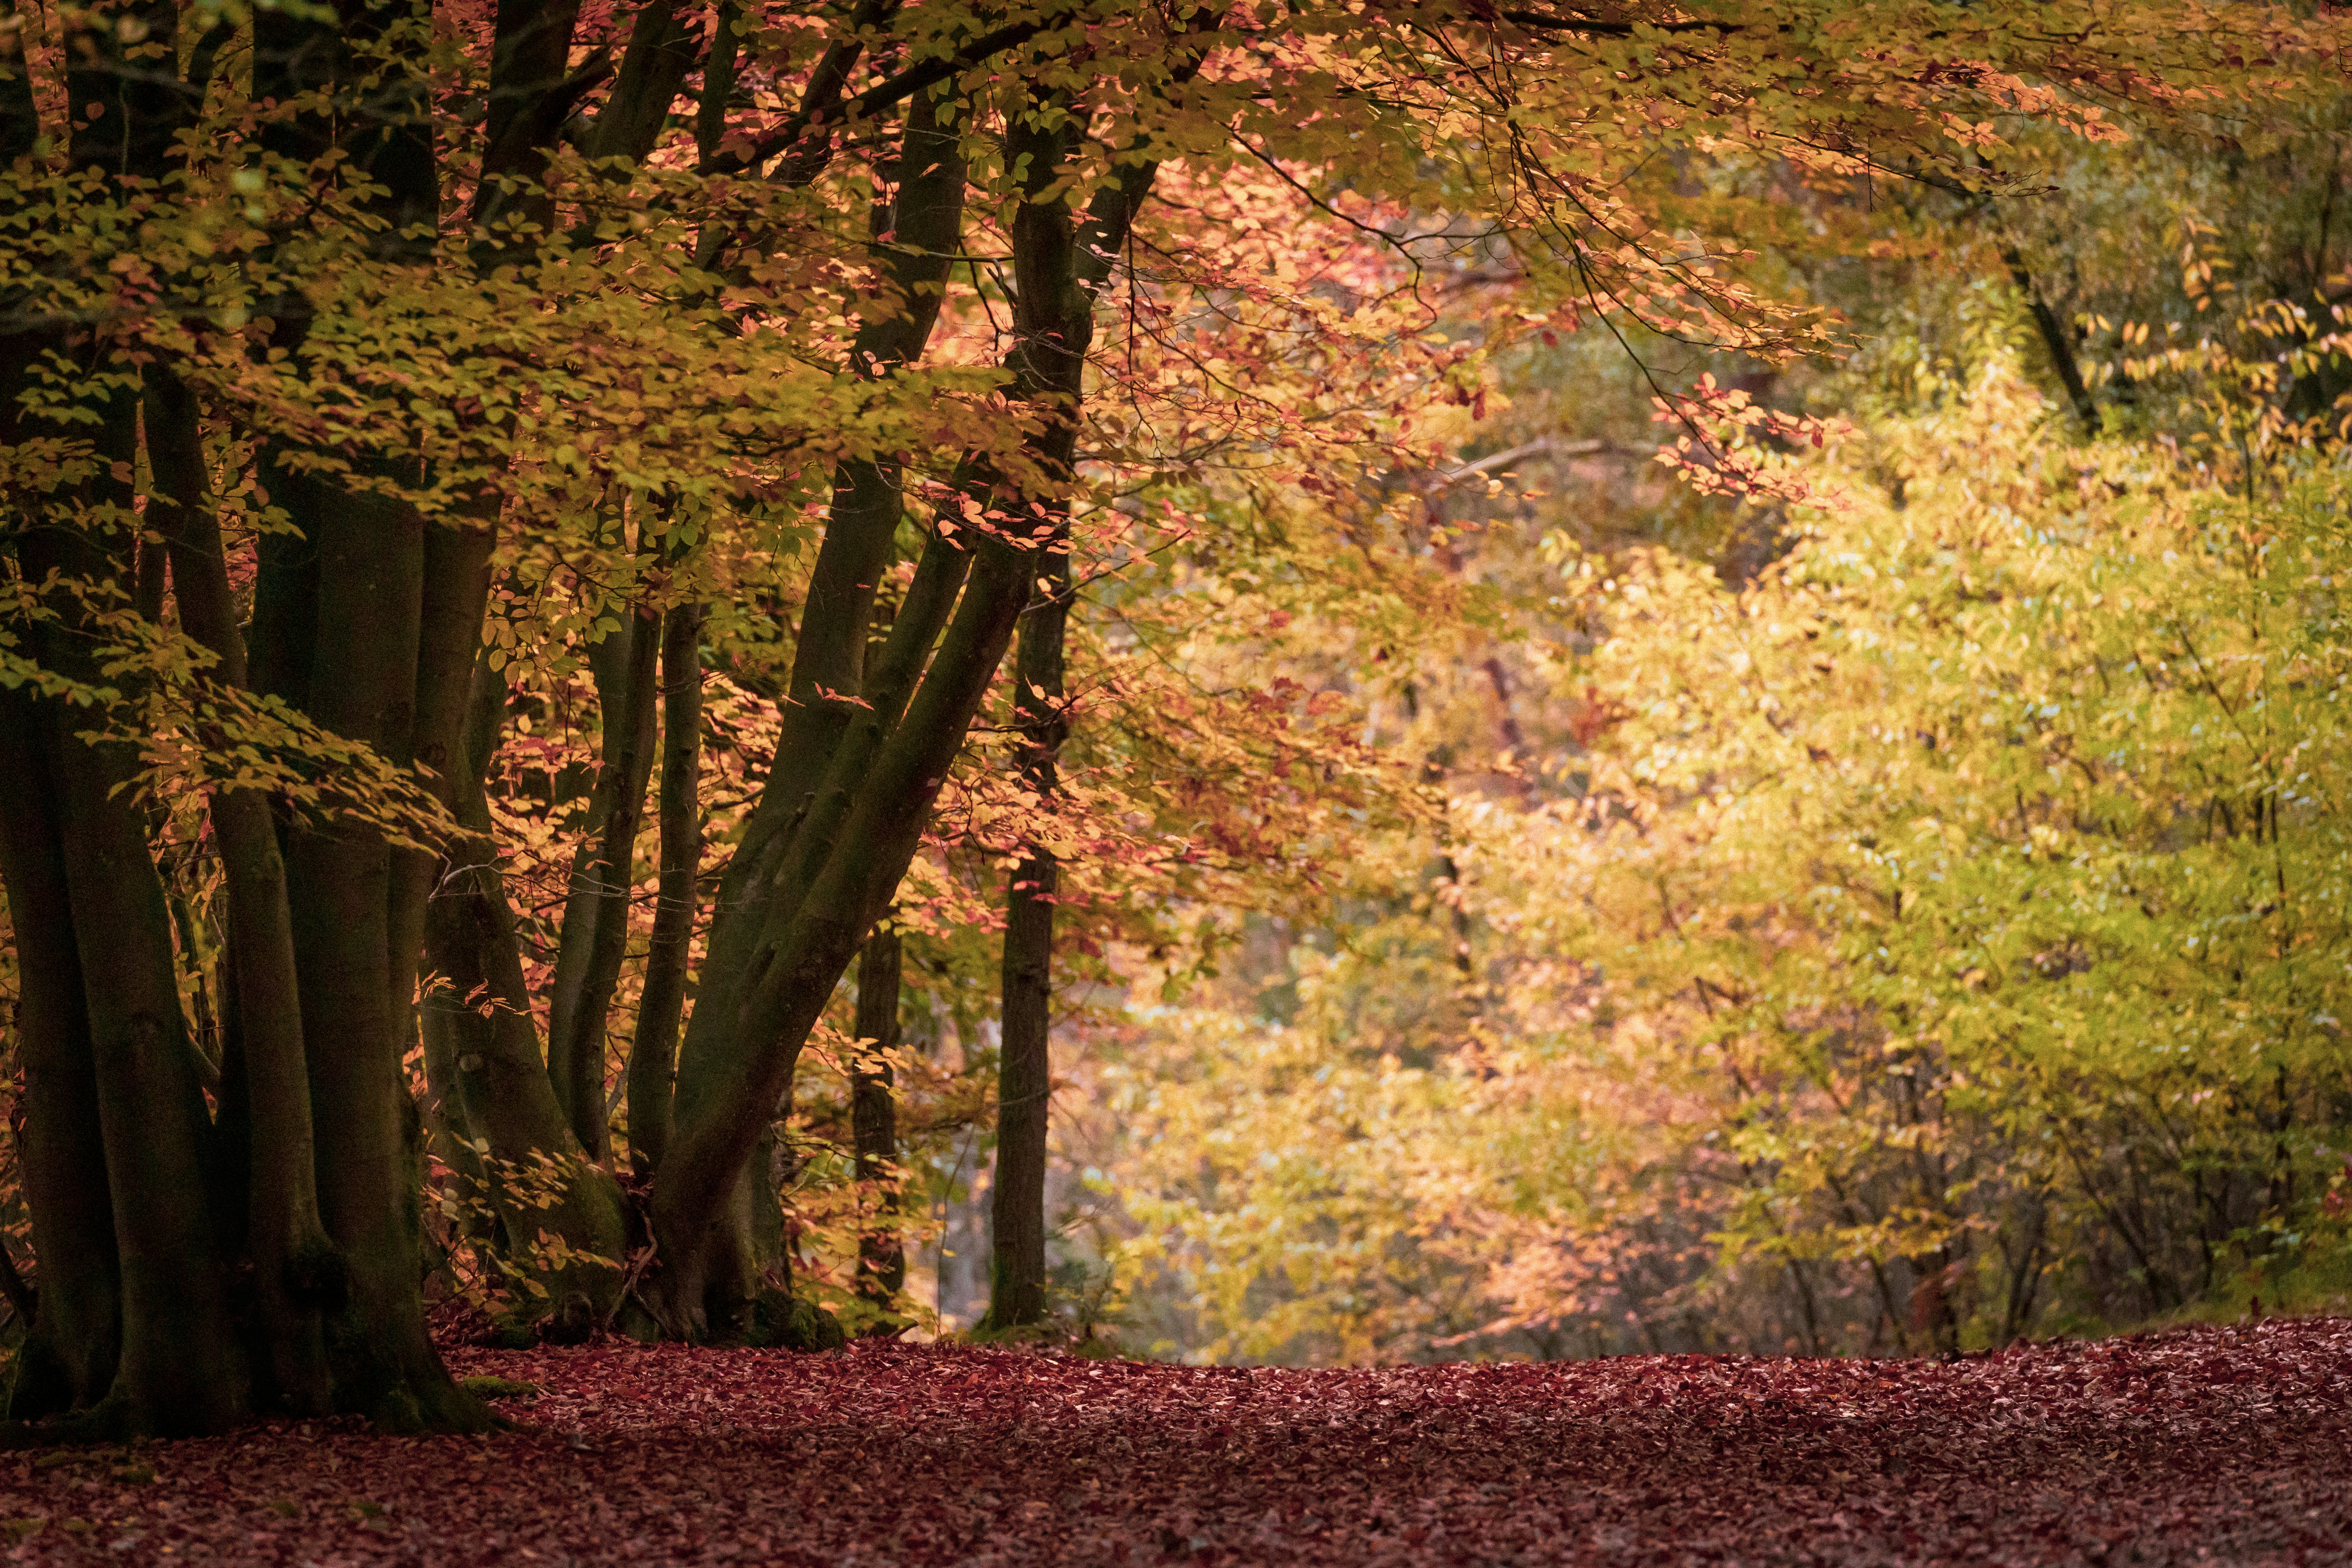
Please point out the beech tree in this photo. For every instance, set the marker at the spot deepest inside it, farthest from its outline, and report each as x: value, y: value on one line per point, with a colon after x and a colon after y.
x: 353, y: 360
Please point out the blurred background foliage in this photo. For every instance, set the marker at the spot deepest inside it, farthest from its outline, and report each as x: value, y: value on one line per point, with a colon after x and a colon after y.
x: 1908, y: 923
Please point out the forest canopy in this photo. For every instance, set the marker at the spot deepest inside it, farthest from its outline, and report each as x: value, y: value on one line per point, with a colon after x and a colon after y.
x: 1301, y: 681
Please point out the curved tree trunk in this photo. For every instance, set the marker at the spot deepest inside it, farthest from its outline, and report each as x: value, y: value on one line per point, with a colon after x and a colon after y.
x: 844, y: 811
x: 916, y: 234
x: 478, y: 1016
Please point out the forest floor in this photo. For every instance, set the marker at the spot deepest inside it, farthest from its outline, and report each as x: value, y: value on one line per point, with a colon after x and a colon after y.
x: 2212, y: 1446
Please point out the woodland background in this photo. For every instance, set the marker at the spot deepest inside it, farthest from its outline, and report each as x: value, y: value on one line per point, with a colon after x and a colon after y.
x: 1627, y: 918
x: 1911, y: 923
x: 1580, y: 829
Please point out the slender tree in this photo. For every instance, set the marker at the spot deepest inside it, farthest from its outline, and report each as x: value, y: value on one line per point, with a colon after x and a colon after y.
x: 1056, y: 279
x: 874, y: 1122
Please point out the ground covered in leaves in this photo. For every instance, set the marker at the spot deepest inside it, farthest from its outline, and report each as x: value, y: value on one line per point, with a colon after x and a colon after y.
x: 2215, y: 1445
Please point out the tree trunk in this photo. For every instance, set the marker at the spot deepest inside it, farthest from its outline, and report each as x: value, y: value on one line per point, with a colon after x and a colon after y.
x: 844, y: 811
x: 1057, y: 273
x: 653, y: 1054
x: 479, y: 1018
x: 534, y: 1112
x: 2054, y: 341
x: 179, y: 1367
x: 595, y: 931
x: 873, y: 1122
x: 1016, y: 1276
x: 295, y: 1271
x: 370, y: 623
x: 356, y: 1023
x: 916, y: 236
x: 1024, y: 1077
x: 68, y: 1362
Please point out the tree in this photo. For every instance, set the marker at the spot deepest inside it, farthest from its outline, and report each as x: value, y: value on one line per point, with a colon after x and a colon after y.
x: 470, y: 361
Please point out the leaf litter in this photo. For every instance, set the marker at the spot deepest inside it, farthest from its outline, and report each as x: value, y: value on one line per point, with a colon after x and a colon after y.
x: 2207, y: 1446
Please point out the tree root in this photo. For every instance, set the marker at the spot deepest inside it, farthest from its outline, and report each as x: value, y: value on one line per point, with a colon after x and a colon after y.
x: 106, y: 1424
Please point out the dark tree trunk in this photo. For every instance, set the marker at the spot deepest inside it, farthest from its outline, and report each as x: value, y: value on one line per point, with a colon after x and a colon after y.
x: 356, y: 1018
x: 181, y: 1369
x: 366, y: 619
x: 1024, y: 1081
x: 493, y: 1084
x: 1016, y: 1276
x: 2054, y: 341
x: 382, y: 660
x: 595, y: 929
x: 1059, y: 268
x: 808, y: 794
x: 873, y: 1122
x: 480, y: 1030
x: 178, y: 1368
x: 843, y: 810
x: 296, y: 1273
x: 1054, y: 316
x: 653, y: 1054
x: 68, y: 1362
x: 78, y: 865
x: 76, y: 1339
